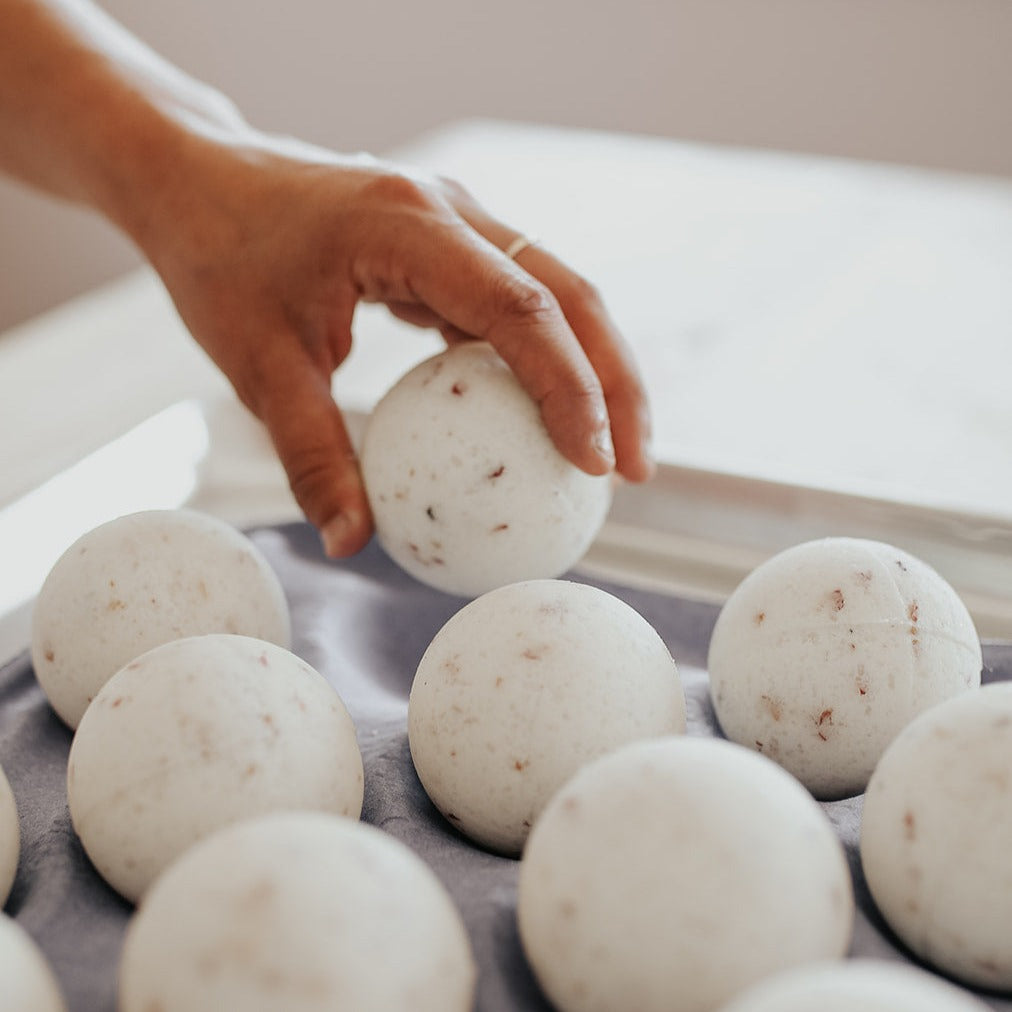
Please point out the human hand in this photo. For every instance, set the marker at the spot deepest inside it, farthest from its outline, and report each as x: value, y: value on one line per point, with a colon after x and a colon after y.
x: 267, y: 247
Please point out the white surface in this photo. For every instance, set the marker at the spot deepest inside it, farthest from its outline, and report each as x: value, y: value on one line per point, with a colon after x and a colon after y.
x: 824, y: 325
x: 812, y: 320
x: 924, y: 82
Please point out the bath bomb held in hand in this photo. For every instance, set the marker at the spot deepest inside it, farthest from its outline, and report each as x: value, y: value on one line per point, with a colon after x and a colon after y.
x: 467, y: 490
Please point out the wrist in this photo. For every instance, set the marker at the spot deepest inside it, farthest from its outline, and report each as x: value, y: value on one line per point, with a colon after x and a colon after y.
x: 148, y: 188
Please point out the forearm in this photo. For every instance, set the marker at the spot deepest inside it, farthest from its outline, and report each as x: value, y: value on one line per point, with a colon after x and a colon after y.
x: 90, y: 114
x: 267, y: 245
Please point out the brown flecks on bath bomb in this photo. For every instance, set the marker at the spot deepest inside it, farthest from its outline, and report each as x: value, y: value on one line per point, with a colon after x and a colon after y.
x: 211, y: 704
x: 774, y: 707
x: 909, y: 826
x: 838, y: 625
x: 821, y: 721
x: 560, y: 668
x: 477, y: 441
x: 163, y: 575
x: 936, y: 832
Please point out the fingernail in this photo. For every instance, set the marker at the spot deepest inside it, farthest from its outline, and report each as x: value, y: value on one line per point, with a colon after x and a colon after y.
x: 604, y: 445
x: 334, y: 535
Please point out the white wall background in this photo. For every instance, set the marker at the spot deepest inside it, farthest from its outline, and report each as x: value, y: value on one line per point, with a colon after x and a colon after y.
x: 925, y: 82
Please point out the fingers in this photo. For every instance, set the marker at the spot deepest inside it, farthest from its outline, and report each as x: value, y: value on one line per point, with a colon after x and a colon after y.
x: 295, y: 404
x: 610, y: 356
x: 496, y: 300
x: 604, y: 347
x: 552, y: 329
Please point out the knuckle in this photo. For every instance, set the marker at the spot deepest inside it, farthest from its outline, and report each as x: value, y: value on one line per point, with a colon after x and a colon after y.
x: 582, y: 395
x: 319, y: 472
x: 308, y: 474
x: 579, y: 289
x: 527, y: 300
x: 399, y: 188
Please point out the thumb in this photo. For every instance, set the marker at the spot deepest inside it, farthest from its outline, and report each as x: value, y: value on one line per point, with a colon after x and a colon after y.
x: 314, y: 448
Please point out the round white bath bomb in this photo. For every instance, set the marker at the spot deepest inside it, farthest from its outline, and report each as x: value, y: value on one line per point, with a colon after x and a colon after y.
x: 467, y: 490
x: 522, y: 687
x: 936, y: 836
x: 827, y: 650
x: 10, y: 838
x: 29, y: 984
x: 673, y: 874
x: 859, y: 985
x: 142, y: 580
x: 199, y: 733
x: 298, y: 911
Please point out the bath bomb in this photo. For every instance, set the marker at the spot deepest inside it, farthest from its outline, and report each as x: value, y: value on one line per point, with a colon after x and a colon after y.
x: 467, y: 490
x: 142, y: 580
x: 29, y: 984
x: 199, y: 733
x: 827, y: 650
x: 859, y: 985
x: 674, y: 874
x: 936, y: 836
x: 521, y: 688
x: 298, y: 911
x: 10, y: 838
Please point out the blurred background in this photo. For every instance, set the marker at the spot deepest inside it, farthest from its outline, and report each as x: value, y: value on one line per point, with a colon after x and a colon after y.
x: 917, y: 82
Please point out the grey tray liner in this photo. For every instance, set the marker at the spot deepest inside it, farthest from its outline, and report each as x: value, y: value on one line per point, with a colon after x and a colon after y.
x: 364, y: 625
